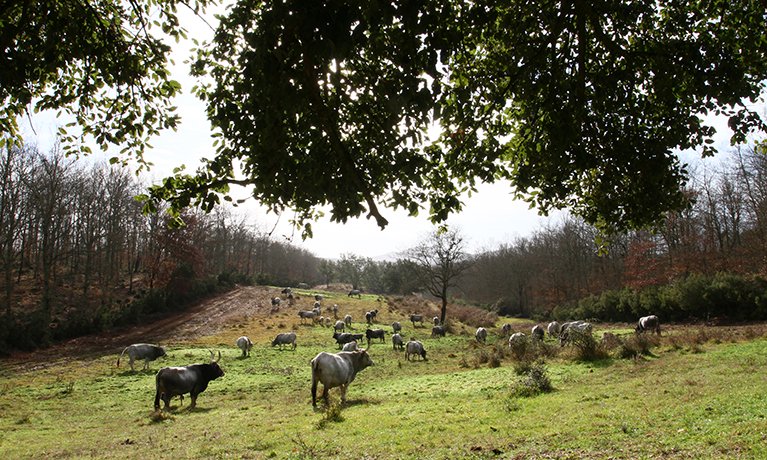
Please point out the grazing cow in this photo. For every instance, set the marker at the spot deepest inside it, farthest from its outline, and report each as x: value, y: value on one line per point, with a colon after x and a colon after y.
x: 356, y: 292
x: 335, y: 311
x: 351, y: 346
x: 244, y: 344
x: 318, y: 297
x: 396, y: 327
x: 375, y: 334
x: 517, y: 338
x: 145, y: 351
x: 436, y: 321
x: 276, y: 302
x: 369, y: 317
x: 438, y: 331
x: 340, y: 326
x: 553, y: 328
x: 397, y: 341
x: 285, y: 338
x: 306, y: 314
x: 192, y: 379
x: 302, y: 286
x: 648, y: 323
x: 506, y: 329
x: 537, y: 333
x: 416, y: 319
x: 337, y: 370
x: 574, y: 329
x: 348, y: 321
x: 481, y: 334
x: 414, y: 347
x: 287, y: 291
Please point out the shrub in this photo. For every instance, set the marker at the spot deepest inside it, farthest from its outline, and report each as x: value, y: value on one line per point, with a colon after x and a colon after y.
x: 534, y: 382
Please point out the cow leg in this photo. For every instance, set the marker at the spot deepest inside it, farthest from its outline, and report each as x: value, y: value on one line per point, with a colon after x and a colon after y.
x: 131, y: 364
x: 314, y: 392
x: 343, y: 392
x: 194, y: 400
x: 325, y: 391
x: 166, y: 400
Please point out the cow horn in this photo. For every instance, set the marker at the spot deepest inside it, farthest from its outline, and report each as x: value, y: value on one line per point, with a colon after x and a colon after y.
x: 217, y: 359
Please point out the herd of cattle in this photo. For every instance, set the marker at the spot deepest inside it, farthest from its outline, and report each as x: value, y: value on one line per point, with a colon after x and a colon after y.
x: 340, y: 369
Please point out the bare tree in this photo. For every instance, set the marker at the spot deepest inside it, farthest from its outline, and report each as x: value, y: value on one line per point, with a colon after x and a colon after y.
x: 438, y: 262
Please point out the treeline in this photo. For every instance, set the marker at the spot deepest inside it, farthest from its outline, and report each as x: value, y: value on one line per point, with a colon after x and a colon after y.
x: 78, y: 255
x: 707, y: 261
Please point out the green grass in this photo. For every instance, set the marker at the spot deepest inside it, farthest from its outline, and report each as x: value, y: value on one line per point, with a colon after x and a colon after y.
x: 704, y: 400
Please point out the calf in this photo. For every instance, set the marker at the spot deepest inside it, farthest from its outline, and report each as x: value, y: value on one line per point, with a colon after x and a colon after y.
x: 375, y: 334
x: 145, y: 351
x: 244, y: 344
x: 285, y: 338
x: 192, y: 379
x: 350, y: 346
x: 414, y: 347
x: 337, y: 370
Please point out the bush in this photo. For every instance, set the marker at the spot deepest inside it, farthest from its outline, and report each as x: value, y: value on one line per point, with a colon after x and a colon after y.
x: 534, y: 382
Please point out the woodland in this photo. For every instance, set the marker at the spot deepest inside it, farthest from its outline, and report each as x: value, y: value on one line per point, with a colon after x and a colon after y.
x: 80, y: 256
x: 582, y: 107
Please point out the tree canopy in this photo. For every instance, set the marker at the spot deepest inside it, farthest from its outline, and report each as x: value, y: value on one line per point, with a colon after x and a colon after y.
x: 102, y: 63
x: 579, y: 105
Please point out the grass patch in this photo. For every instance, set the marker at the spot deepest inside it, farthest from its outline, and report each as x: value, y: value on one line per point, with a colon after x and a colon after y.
x: 706, y: 404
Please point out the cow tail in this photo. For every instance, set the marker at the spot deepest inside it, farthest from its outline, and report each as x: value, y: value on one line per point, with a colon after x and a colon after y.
x: 121, y: 356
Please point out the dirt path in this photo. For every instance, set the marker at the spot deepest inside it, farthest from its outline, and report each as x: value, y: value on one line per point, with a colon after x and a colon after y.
x: 205, y: 318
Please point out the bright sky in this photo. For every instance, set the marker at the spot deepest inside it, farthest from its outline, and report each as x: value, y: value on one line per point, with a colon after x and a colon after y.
x: 490, y: 217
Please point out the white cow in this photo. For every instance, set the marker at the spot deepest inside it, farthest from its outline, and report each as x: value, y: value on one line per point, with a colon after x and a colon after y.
x: 244, y: 344
x: 337, y: 370
x: 397, y: 341
x: 517, y: 339
x: 285, y: 338
x: 648, y: 323
x: 537, y: 333
x: 573, y: 329
x: 414, y: 347
x: 350, y: 346
x: 481, y: 334
x: 145, y: 351
x: 553, y: 328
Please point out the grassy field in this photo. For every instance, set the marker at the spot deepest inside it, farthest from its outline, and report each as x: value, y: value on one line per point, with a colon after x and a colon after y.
x: 700, y: 393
